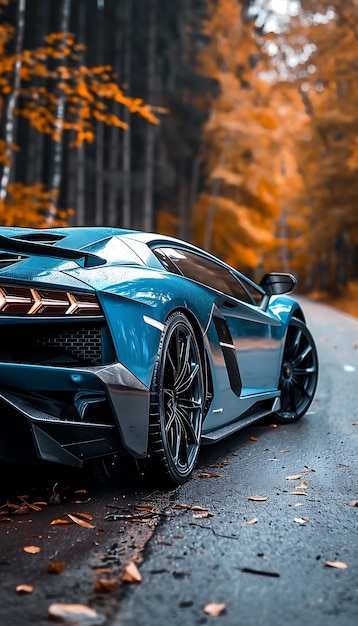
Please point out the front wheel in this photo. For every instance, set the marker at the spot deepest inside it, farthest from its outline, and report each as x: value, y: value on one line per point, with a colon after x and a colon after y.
x: 299, y: 372
x: 177, y: 401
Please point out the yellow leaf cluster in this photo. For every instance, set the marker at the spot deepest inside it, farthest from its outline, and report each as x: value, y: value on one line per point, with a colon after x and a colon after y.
x: 28, y: 205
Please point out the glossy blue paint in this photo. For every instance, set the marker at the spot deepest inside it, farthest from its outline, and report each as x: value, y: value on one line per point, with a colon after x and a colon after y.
x: 45, y: 379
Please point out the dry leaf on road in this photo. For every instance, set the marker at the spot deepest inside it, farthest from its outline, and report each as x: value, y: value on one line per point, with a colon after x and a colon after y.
x: 258, y: 498
x: 203, y: 515
x: 106, y: 585
x: 25, y: 589
x: 252, y: 521
x: 132, y: 574
x: 71, y: 612
x: 336, y: 564
x: 304, y: 485
x: 56, y: 567
x: 80, y: 521
x: 301, y: 520
x: 293, y: 477
x: 32, y: 549
x: 353, y: 503
x: 210, y: 475
x: 214, y: 609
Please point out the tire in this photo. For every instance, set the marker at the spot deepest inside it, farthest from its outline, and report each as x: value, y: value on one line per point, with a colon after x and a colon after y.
x: 299, y: 373
x: 177, y: 401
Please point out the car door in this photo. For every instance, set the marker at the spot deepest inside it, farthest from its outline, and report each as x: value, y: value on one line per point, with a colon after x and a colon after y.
x: 255, y: 334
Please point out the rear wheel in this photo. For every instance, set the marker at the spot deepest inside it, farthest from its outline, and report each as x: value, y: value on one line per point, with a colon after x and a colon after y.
x: 299, y: 372
x: 177, y: 401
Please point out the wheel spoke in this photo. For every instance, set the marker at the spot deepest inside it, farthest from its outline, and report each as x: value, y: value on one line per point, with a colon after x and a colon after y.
x: 188, y: 426
x: 301, y: 387
x: 305, y: 371
x: 302, y: 356
x: 293, y: 346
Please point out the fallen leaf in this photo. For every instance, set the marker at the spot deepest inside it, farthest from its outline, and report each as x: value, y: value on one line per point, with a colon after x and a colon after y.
x: 209, y: 475
x: 86, y: 516
x: 224, y: 463
x: 336, y: 564
x: 298, y: 504
x: 80, y: 522
x: 353, y: 503
x: 6, y: 519
x: 146, y: 507
x: 197, y: 507
x: 301, y: 520
x: 303, y: 485
x: 56, y: 567
x: 32, y: 549
x: 252, y: 521
x: 106, y: 585
x: 214, y: 609
x: 293, y: 477
x: 59, y: 521
x: 67, y: 612
x: 254, y: 439
x: 25, y: 589
x: 298, y: 493
x: 258, y: 498
x: 180, y: 506
x: 307, y: 469
x: 203, y: 515
x: 284, y: 450
x: 132, y: 574
x: 33, y: 507
x: 22, y: 510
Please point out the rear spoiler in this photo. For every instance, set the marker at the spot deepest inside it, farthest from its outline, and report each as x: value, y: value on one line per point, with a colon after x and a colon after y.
x: 84, y: 259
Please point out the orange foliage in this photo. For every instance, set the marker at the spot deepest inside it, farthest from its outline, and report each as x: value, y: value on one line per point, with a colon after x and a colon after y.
x: 28, y: 205
x: 86, y: 92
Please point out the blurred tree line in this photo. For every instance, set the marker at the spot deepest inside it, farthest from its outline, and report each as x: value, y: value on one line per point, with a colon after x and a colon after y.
x: 229, y: 123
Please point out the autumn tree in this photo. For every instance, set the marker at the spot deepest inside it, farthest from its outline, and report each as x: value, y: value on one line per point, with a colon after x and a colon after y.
x: 46, y: 79
x: 237, y: 209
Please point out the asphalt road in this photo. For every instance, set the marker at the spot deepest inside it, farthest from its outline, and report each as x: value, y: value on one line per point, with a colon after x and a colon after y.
x: 208, y: 543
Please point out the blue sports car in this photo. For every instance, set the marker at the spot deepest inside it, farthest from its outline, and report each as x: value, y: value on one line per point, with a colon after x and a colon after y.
x: 125, y: 350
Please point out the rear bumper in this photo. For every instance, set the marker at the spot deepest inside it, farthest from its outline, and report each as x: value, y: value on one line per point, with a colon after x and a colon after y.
x: 33, y: 427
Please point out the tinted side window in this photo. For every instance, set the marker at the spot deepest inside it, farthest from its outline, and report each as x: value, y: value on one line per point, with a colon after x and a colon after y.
x: 205, y: 271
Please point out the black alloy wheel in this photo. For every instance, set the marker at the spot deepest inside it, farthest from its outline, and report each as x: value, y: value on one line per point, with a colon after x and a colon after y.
x: 177, y: 401
x: 299, y: 372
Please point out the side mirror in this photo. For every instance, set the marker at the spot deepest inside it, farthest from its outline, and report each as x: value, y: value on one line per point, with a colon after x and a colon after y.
x: 276, y: 284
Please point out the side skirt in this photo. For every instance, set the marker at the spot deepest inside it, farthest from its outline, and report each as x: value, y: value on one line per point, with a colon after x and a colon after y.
x: 257, y: 412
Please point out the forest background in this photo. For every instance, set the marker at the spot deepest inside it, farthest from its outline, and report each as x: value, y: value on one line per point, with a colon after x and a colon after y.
x: 232, y: 124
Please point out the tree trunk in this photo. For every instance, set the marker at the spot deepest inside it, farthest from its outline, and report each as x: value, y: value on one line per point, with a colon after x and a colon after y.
x: 150, y: 128
x: 126, y: 160
x: 36, y: 141
x: 99, y: 142
x: 114, y: 141
x: 10, y: 125
x: 57, y: 150
x: 80, y: 218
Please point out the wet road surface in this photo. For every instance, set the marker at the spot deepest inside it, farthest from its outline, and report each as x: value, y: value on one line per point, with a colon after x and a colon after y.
x: 251, y: 531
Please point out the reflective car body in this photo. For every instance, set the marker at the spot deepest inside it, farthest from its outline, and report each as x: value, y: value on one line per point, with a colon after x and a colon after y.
x: 93, y: 320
